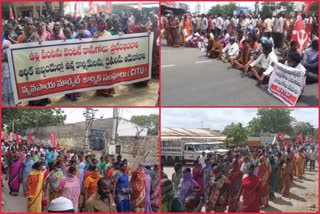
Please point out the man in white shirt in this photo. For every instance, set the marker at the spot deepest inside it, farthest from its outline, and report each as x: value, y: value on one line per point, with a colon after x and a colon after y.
x: 204, y: 24
x: 278, y: 31
x: 263, y: 63
x: 267, y: 25
x: 202, y: 159
x: 231, y: 51
x: 219, y: 24
x: 313, y: 158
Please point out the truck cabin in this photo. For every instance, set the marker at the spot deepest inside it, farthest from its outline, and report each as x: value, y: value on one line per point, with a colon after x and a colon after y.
x: 195, y: 147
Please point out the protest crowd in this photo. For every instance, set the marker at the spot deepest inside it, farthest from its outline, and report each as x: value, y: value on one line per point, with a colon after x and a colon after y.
x: 60, y: 180
x: 250, y: 43
x: 68, y: 27
x: 242, y: 180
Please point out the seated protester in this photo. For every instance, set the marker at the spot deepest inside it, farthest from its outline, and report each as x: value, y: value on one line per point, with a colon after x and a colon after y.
x: 230, y: 51
x: 217, y: 48
x: 240, y: 38
x: 293, y: 61
x: 268, y: 35
x: 258, y: 51
x: 243, y: 60
x: 210, y: 43
x: 253, y: 41
x: 193, y: 42
x: 293, y: 47
x: 83, y: 33
x: 311, y: 62
x: 226, y: 36
x: 262, y: 67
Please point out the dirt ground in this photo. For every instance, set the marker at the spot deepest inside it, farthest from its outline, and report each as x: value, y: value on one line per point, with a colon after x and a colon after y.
x: 125, y: 96
x: 303, y: 196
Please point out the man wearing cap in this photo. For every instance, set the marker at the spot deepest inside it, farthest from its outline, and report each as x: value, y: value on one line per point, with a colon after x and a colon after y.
x: 61, y: 205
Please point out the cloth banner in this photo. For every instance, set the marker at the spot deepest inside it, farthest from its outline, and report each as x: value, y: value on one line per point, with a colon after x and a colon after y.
x: 108, y: 7
x: 61, y: 67
x: 286, y: 83
x: 53, y: 140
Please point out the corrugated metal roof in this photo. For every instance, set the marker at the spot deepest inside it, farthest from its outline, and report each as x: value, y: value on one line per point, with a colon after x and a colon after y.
x: 186, y: 132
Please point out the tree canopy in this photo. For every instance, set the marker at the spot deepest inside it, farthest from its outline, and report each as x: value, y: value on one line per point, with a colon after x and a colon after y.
x: 225, y: 9
x: 151, y: 122
x: 26, y: 118
x: 235, y: 134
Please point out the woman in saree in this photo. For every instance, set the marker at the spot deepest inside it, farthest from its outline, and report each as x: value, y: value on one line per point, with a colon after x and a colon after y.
x: 264, y: 174
x: 235, y: 179
x: 46, y: 174
x: 26, y: 169
x: 14, y: 176
x: 69, y: 187
x: 54, y: 181
x: 273, y: 177
x: 280, y: 162
x: 122, y: 191
x: 244, y: 59
x: 187, y: 186
x: 197, y: 175
x: 286, y: 175
x: 154, y: 197
x: 35, y: 188
x: 217, y: 48
x: 138, y: 187
x: 300, y: 159
x: 170, y: 202
x: 147, y: 204
x: 90, y: 183
x: 186, y: 28
x: 173, y: 25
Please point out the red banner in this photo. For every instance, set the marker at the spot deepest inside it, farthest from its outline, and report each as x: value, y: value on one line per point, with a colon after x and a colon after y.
x: 91, y: 7
x: 108, y: 7
x: 98, y: 9
x: 307, y: 5
x: 5, y: 137
x: 299, y: 34
x: 30, y: 140
x: 18, y: 138
x: 53, y: 140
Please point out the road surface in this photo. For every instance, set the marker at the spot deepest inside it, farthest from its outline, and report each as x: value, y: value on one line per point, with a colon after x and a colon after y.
x: 125, y: 96
x: 303, y: 195
x: 188, y: 78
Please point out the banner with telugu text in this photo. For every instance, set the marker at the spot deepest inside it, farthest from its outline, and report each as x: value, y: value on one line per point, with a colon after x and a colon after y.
x: 60, y: 67
x: 286, y: 83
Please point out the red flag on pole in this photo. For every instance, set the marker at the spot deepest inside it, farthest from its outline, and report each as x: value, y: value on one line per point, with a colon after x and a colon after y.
x: 18, y: 138
x: 280, y: 136
x: 11, y: 16
x: 140, y: 6
x: 75, y: 10
x: 53, y: 140
x: 11, y: 136
x: 91, y: 7
x: 6, y: 137
x: 98, y: 9
x: 299, y: 34
x: 30, y: 140
x: 108, y: 7
x: 58, y: 145
x: 307, y: 5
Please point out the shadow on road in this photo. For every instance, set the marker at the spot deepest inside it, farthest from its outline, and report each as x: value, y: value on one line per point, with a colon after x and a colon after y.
x: 296, y: 197
x: 271, y: 209
x: 280, y: 201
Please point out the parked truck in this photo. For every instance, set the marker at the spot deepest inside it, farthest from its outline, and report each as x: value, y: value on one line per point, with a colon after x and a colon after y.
x: 175, y: 151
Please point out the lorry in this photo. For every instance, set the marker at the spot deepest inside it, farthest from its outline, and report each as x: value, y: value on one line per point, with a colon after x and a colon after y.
x: 175, y: 151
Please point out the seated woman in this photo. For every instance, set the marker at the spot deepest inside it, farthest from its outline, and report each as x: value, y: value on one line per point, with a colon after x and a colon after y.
x: 193, y: 42
x: 245, y: 57
x: 217, y: 48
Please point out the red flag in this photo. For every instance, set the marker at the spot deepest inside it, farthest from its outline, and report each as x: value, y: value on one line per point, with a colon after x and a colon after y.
x: 299, y: 34
x: 91, y: 7
x: 18, y: 138
x: 108, y: 7
x: 58, y: 145
x: 11, y: 16
x: 6, y: 137
x: 307, y: 5
x: 280, y: 135
x: 11, y: 136
x: 75, y: 10
x: 306, y: 138
x: 53, y: 140
x: 30, y: 140
x: 299, y: 138
x: 40, y: 143
x: 98, y: 8
x: 140, y: 6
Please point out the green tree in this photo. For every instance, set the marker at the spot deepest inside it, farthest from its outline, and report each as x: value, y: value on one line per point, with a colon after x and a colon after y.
x: 255, y: 127
x: 224, y: 10
x: 236, y: 134
x: 26, y: 118
x: 314, y: 8
x: 274, y: 120
x: 151, y: 122
x: 304, y: 128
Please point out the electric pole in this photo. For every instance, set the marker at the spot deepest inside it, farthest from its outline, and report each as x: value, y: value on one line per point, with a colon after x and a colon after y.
x: 89, y: 116
x: 115, y: 125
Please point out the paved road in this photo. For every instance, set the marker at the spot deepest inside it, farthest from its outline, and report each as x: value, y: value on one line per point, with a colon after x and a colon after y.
x: 188, y: 78
x: 125, y: 96
x: 303, y: 195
